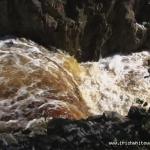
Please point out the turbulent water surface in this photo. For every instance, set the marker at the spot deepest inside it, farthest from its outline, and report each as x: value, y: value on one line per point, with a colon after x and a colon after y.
x: 36, y: 83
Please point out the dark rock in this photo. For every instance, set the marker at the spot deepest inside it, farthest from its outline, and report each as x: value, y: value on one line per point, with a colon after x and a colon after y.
x: 145, y: 104
x: 139, y: 101
x: 137, y: 113
x: 113, y: 116
x: 84, y: 28
x: 126, y: 35
x: 147, y: 41
x: 143, y: 11
x: 90, y: 134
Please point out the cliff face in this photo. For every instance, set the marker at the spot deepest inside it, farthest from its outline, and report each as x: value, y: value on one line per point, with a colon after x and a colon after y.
x: 84, y: 28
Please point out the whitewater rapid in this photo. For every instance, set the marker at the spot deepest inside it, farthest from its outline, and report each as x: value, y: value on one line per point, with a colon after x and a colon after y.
x: 36, y: 83
x: 116, y: 83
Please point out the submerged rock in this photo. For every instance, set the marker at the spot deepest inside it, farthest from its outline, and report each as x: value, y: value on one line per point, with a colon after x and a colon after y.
x: 84, y: 28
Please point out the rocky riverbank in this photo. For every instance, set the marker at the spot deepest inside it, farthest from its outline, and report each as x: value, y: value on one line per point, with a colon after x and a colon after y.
x: 94, y: 133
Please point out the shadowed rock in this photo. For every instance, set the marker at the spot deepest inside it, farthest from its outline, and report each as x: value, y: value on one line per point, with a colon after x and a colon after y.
x: 91, y: 134
x: 84, y: 28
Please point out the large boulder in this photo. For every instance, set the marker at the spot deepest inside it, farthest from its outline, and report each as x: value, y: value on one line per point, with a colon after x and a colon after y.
x: 143, y: 11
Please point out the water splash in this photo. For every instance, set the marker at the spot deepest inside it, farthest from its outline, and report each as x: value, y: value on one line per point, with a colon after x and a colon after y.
x: 115, y: 83
x: 36, y: 83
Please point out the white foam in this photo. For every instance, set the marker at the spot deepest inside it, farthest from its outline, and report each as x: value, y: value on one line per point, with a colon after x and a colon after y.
x: 112, y: 84
x: 115, y: 82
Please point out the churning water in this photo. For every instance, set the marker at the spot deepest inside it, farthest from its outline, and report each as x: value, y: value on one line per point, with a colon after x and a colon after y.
x: 36, y: 83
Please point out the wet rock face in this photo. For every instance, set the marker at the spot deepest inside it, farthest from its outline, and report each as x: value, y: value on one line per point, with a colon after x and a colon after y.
x: 86, y: 29
x: 143, y: 11
x: 93, y: 133
x: 114, y: 29
x: 43, y: 21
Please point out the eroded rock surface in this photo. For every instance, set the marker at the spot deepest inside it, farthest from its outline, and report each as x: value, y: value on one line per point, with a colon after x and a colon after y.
x: 84, y: 28
x: 91, y: 134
